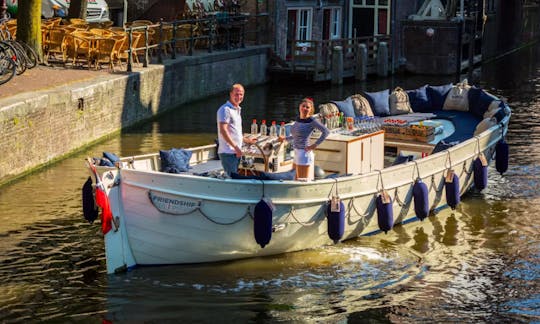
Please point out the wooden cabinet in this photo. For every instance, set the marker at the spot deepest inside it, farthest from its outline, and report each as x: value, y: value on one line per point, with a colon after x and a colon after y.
x: 349, y: 154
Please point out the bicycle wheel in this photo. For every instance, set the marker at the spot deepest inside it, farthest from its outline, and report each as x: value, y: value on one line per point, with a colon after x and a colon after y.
x: 12, y: 52
x: 22, y: 58
x: 7, y: 68
x: 31, y: 55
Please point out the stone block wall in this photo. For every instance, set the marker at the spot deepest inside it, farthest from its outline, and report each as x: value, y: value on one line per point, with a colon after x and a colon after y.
x: 39, y: 128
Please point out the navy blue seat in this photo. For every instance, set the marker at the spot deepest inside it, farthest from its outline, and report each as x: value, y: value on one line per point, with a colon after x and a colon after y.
x: 465, y: 124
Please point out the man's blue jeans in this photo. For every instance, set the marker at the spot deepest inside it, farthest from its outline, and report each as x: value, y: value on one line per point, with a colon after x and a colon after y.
x: 229, y: 162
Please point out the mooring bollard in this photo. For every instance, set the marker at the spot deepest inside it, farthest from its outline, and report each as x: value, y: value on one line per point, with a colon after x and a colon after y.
x: 361, y: 63
x: 337, y: 65
x: 382, y: 59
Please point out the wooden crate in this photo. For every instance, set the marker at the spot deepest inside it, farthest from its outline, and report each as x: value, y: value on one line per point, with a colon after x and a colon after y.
x: 410, y: 133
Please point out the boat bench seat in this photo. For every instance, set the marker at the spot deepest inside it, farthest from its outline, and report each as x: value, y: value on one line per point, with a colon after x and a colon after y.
x: 464, y: 123
x: 206, y: 167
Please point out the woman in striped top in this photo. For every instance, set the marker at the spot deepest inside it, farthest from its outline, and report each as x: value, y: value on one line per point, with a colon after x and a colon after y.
x: 300, y: 136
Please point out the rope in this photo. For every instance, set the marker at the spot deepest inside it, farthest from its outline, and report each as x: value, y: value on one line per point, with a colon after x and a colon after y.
x: 248, y: 213
x: 432, y: 185
x: 397, y: 199
x: 465, y: 168
x: 198, y: 207
x: 449, y: 160
x: 353, y: 207
x: 304, y: 224
x: 477, y: 145
x: 417, y: 171
x: 381, y: 180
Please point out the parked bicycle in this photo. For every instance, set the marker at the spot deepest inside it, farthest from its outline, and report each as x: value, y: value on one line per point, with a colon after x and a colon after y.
x: 23, y: 55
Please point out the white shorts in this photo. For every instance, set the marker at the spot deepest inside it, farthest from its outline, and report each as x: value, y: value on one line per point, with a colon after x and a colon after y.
x: 301, y: 157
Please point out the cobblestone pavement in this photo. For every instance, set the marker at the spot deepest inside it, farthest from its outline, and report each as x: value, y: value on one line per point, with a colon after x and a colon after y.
x: 44, y: 77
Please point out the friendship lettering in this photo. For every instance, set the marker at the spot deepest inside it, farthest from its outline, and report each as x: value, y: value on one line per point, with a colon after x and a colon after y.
x: 180, y: 203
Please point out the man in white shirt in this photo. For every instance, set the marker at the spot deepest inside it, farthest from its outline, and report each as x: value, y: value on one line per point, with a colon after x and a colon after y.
x: 230, y: 135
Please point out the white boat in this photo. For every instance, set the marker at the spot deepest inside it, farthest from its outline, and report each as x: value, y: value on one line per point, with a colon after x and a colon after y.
x: 164, y: 218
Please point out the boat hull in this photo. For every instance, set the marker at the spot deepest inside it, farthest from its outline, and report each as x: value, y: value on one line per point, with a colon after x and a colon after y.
x: 167, y: 218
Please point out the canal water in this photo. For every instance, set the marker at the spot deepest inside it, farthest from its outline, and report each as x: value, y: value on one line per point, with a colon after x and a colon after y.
x: 479, y: 263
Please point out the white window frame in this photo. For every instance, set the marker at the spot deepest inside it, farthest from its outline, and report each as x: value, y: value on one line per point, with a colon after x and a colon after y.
x: 308, y: 24
x: 335, y: 22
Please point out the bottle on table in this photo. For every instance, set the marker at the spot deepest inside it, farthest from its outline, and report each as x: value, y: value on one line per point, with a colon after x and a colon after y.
x: 264, y: 130
x: 273, y: 129
x: 282, y: 130
x: 254, y: 127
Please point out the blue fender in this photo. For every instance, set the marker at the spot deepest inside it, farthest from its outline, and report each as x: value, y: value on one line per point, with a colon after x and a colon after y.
x: 90, y: 211
x: 262, y: 223
x: 480, y: 174
x: 385, y: 214
x: 452, y: 192
x: 421, y: 199
x: 501, y: 156
x: 336, y: 222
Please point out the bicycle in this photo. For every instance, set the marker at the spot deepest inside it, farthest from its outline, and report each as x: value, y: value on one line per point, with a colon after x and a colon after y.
x: 7, y: 66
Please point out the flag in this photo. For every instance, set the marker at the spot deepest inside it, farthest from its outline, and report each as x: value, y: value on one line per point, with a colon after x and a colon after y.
x: 102, y: 200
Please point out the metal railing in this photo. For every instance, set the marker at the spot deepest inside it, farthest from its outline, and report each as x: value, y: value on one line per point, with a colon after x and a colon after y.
x: 218, y: 32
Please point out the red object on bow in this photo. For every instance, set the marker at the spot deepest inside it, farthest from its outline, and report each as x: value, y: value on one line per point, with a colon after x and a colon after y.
x: 102, y: 200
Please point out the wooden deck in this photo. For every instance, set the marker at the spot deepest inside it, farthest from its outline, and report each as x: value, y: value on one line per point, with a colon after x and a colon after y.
x: 313, y: 59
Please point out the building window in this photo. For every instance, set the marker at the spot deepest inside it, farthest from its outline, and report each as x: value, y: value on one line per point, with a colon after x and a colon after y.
x: 304, y: 24
x: 332, y: 23
x: 369, y: 17
x: 299, y: 21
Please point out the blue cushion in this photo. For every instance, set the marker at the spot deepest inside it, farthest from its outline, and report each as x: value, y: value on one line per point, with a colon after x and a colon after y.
x: 287, y: 175
x: 500, y: 114
x: 400, y: 159
x: 111, y: 157
x: 419, y: 99
x: 437, y: 95
x: 443, y: 145
x: 464, y: 123
x: 175, y: 160
x: 379, y: 102
x: 479, y: 101
x: 105, y: 162
x: 237, y: 176
x: 345, y: 106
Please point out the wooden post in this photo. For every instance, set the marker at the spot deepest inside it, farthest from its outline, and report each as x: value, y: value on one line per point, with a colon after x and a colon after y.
x: 382, y: 59
x: 337, y: 65
x: 361, y: 62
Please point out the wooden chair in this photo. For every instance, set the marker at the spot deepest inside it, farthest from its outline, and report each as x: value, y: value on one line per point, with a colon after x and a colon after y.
x: 55, y: 21
x: 80, y: 26
x: 76, y: 21
x: 55, y: 43
x: 105, y: 52
x: 70, y: 28
x: 117, y: 30
x: 141, y: 22
x: 121, y: 47
x: 183, y: 35
x: 82, y: 47
x: 123, y: 54
x: 101, y: 32
x: 138, y: 41
x: 107, y: 24
x: 167, y: 38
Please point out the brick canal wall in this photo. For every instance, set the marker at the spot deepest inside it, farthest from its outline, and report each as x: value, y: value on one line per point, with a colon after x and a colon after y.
x: 41, y: 127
